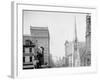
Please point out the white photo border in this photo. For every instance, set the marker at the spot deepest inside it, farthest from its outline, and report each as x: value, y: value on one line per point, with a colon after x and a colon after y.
x: 17, y: 67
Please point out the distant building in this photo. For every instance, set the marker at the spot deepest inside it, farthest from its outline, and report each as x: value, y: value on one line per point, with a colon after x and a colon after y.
x: 68, y: 53
x: 60, y: 62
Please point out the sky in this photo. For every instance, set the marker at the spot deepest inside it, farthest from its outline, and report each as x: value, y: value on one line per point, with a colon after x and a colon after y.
x: 61, y: 27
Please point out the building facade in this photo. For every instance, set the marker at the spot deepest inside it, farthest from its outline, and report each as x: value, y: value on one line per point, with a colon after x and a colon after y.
x: 88, y: 41
x: 69, y: 53
x: 37, y: 40
x: 41, y: 36
x: 86, y: 50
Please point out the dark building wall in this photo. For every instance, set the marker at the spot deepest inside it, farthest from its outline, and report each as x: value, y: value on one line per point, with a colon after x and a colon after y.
x: 88, y: 31
x: 87, y: 58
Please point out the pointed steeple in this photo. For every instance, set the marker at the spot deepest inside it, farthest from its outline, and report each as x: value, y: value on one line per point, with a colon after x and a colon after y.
x: 75, y: 31
x: 76, y: 59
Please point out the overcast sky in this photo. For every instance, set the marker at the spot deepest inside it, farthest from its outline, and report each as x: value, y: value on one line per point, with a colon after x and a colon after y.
x: 61, y: 27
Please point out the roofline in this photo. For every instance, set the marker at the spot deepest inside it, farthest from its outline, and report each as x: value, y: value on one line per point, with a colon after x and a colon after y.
x: 39, y: 28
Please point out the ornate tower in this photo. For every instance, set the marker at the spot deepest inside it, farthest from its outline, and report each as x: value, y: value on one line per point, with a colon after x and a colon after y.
x: 76, y: 56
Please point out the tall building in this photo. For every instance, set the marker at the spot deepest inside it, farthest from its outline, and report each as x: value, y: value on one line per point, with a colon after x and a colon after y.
x: 87, y: 60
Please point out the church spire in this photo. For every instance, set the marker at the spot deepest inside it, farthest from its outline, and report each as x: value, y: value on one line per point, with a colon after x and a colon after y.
x: 76, y: 56
x: 75, y: 31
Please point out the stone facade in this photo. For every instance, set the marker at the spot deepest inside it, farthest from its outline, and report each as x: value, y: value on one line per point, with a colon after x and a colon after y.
x: 88, y: 41
x: 41, y: 35
x: 40, y: 38
x: 68, y: 53
x: 86, y: 50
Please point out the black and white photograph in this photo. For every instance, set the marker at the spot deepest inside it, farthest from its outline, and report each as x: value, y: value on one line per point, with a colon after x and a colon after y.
x: 55, y: 39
